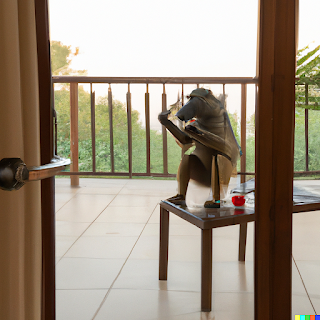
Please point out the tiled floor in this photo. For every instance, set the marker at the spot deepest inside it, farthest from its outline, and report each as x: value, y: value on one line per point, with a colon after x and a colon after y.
x: 107, y: 239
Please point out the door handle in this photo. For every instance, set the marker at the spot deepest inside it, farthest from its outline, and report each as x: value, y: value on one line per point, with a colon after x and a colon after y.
x: 14, y: 173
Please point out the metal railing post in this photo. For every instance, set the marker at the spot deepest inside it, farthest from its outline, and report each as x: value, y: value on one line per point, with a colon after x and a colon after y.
x: 182, y: 95
x: 224, y: 95
x: 147, y: 114
x: 111, y: 127
x: 93, y: 127
x: 164, y: 133
x: 74, y: 135
x: 243, y: 130
x: 129, y: 131
x: 306, y: 124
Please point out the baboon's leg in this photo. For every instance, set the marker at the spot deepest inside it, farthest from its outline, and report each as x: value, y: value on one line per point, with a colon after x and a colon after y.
x: 183, y: 175
x: 215, y: 181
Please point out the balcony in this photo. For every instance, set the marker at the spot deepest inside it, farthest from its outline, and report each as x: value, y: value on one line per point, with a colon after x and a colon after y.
x: 108, y: 229
x: 107, y: 246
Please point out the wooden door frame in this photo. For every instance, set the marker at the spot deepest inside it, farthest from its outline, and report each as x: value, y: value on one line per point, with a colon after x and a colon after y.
x: 48, y: 311
x: 274, y: 158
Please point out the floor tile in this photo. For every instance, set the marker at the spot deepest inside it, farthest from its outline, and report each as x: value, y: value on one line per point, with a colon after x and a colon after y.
x: 234, y: 305
x: 125, y: 214
x: 108, y: 247
x: 174, y: 305
x: 186, y: 276
x: 148, y: 304
x: 233, y: 276
x: 117, y: 221
x: 100, y: 190
x: 151, y: 184
x: 114, y: 229
x: 146, y: 248
x: 84, y: 208
x: 64, y: 243
x: 186, y: 229
x: 310, y: 273
x: 84, y: 273
x: 195, y: 316
x: 301, y: 305
x: 306, y: 236
x: 181, y: 248
x: 298, y: 287
x: 135, y: 201
x: 144, y: 274
x: 304, y: 219
x: 78, y: 304
x: 316, y: 303
x: 133, y: 190
x: 58, y: 258
x: 65, y: 228
x: 62, y: 199
x: 102, y: 182
x: 66, y: 189
x: 64, y: 185
x: 188, y: 248
x: 226, y: 249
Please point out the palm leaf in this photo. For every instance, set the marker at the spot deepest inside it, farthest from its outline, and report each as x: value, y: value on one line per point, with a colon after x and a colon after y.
x: 309, y: 69
x: 308, y: 55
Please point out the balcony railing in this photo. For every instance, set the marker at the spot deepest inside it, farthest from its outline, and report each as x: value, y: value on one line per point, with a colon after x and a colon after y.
x: 74, y: 81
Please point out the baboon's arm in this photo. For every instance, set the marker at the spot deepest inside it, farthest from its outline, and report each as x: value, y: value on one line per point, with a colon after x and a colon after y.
x: 182, y: 137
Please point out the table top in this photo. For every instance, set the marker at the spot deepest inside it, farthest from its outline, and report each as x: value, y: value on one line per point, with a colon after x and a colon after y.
x: 208, y: 218
x: 227, y: 214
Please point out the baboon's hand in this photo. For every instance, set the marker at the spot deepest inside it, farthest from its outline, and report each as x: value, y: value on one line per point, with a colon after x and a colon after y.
x: 163, y: 115
x: 193, y: 128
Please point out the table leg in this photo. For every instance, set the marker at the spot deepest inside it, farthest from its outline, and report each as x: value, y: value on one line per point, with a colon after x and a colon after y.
x: 242, y: 241
x: 206, y: 269
x: 164, y: 243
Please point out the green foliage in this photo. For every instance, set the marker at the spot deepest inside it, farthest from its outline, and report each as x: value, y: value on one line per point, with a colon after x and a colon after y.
x: 308, y: 64
x: 299, y: 141
x: 61, y: 56
x: 308, y: 72
x: 307, y: 97
x: 250, y: 144
x: 120, y: 136
x: 314, y: 140
x: 234, y: 121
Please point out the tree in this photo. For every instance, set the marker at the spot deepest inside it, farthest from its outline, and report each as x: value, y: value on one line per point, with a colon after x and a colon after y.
x: 61, y: 57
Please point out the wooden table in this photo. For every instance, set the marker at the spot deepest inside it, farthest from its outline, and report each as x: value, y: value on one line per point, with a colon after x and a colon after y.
x: 206, y: 220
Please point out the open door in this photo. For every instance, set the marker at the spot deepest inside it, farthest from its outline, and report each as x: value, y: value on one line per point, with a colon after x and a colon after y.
x: 47, y: 153
x: 27, y: 246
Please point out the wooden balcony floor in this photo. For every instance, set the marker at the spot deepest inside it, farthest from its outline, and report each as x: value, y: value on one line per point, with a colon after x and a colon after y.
x: 107, y: 245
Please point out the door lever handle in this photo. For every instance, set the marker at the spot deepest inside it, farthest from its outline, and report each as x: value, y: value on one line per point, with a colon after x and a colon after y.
x: 14, y: 172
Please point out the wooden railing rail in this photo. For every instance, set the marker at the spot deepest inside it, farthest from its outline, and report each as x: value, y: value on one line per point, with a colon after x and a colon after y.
x: 197, y: 81
x: 75, y: 80
x: 158, y: 80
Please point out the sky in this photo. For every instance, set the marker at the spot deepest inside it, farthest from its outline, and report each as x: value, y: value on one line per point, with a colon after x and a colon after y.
x: 182, y: 38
